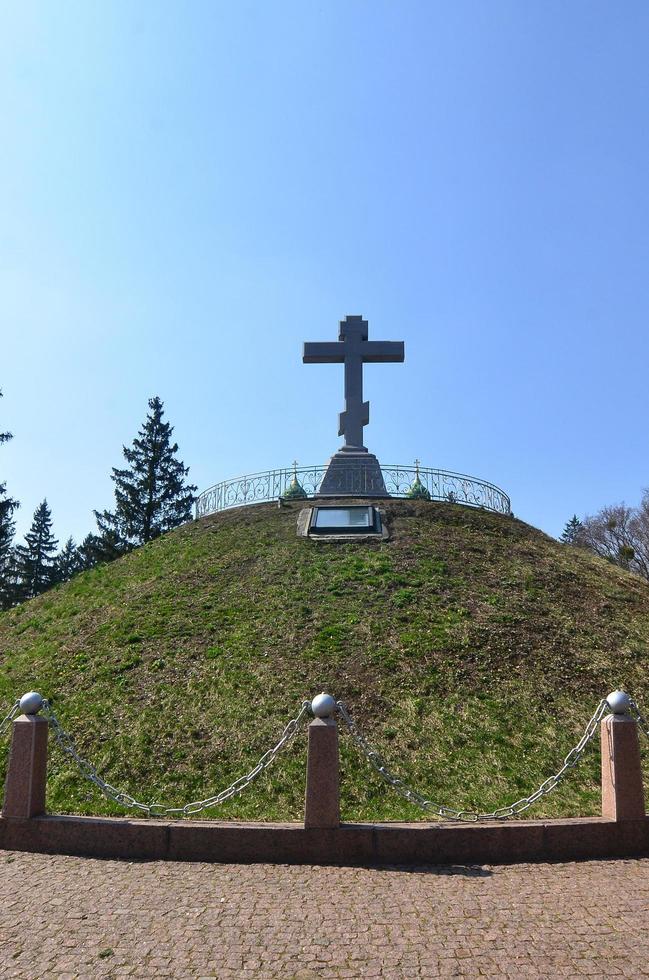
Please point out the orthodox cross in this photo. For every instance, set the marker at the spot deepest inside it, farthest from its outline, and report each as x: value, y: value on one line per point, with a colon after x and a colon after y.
x: 353, y: 349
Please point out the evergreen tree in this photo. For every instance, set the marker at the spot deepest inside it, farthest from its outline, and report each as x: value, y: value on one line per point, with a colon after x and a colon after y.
x: 7, y: 528
x: 96, y: 549
x: 151, y: 496
x: 68, y: 562
x: 7, y: 570
x: 87, y: 552
x: 571, y: 530
x: 36, y: 559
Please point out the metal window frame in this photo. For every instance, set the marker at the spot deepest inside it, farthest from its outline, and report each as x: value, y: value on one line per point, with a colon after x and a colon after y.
x: 374, y: 527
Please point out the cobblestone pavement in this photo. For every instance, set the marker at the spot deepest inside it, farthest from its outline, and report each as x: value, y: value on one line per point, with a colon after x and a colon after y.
x: 68, y: 917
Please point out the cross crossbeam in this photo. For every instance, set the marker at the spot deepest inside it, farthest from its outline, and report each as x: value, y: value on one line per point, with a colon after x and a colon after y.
x: 353, y: 349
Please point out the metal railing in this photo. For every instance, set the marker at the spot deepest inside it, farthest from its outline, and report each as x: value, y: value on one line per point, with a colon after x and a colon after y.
x: 400, y: 481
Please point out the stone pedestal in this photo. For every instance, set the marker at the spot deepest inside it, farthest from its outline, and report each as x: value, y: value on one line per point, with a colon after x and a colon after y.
x: 622, y: 789
x: 322, y: 805
x: 26, y: 773
x: 353, y: 473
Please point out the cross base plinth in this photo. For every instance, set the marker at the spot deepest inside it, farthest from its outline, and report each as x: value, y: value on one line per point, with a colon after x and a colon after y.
x: 353, y: 473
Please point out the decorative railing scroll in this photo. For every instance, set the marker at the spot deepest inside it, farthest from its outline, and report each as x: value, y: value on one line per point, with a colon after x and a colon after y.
x: 257, y: 488
x: 456, y: 488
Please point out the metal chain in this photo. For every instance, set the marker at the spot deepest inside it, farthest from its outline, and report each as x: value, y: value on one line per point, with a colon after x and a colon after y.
x: 641, y: 720
x: 8, y: 718
x: 451, y: 813
x: 129, y: 802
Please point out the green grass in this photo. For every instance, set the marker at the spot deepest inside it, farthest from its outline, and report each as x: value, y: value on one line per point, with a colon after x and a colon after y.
x: 471, y: 649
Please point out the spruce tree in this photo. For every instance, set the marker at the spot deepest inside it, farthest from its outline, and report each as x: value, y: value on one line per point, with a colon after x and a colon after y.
x: 571, y: 530
x: 151, y: 495
x: 7, y: 575
x: 87, y: 552
x: 96, y: 549
x: 7, y: 528
x: 68, y: 562
x: 36, y: 559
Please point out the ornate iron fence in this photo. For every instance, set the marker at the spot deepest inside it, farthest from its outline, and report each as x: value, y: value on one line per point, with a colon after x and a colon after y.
x: 400, y: 481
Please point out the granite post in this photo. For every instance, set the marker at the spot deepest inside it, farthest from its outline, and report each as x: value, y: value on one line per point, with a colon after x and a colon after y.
x: 322, y: 805
x: 27, y: 770
x: 622, y: 789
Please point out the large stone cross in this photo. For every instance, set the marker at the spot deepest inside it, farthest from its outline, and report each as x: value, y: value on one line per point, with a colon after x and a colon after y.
x: 353, y: 349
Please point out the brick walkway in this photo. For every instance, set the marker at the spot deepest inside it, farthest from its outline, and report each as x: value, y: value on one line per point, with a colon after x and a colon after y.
x: 70, y: 917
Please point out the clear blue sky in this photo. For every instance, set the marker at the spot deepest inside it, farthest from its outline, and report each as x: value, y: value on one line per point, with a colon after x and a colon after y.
x: 189, y: 190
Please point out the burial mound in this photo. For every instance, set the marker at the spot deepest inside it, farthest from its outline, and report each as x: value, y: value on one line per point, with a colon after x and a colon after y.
x: 470, y: 647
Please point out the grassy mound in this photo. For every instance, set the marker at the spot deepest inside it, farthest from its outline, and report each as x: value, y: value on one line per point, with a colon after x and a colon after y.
x: 470, y: 647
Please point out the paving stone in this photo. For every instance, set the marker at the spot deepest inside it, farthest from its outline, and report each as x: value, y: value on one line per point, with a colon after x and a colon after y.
x: 72, y: 918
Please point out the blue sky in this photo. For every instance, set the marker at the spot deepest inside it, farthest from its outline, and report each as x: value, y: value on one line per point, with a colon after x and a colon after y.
x: 188, y: 191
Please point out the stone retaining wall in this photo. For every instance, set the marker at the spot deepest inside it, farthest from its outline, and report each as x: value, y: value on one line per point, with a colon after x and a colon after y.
x: 349, y: 844
x: 621, y: 831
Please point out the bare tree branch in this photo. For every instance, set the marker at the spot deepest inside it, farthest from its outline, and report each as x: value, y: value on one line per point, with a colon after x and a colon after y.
x: 620, y: 534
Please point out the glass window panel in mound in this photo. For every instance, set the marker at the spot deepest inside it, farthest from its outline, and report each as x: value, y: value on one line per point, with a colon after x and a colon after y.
x: 345, y: 520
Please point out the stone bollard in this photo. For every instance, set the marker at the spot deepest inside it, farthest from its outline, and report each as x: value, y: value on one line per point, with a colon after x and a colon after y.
x: 26, y: 773
x: 622, y: 789
x: 322, y: 804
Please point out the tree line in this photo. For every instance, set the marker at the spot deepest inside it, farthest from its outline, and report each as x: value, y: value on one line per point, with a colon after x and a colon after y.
x: 151, y: 497
x: 617, y: 532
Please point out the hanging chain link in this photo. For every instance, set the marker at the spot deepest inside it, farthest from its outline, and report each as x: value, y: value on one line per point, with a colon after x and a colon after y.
x: 9, y: 717
x: 126, y: 801
x: 451, y: 813
x: 129, y: 802
x: 641, y: 720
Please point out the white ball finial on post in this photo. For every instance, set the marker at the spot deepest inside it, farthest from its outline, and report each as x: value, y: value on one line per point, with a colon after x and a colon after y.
x: 30, y: 703
x: 619, y: 702
x: 323, y: 706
